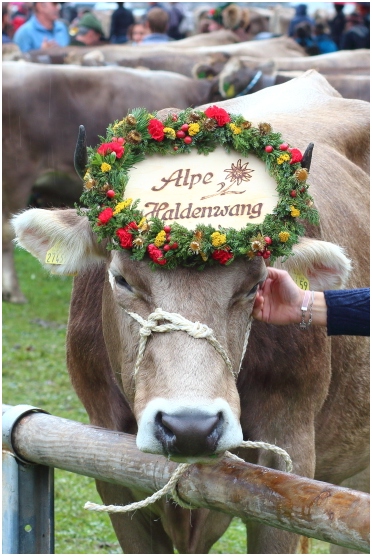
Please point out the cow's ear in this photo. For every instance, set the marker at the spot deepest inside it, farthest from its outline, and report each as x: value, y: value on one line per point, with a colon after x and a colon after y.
x: 62, y: 241
x: 324, y: 264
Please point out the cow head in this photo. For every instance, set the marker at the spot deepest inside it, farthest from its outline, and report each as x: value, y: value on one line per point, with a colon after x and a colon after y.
x: 184, y: 394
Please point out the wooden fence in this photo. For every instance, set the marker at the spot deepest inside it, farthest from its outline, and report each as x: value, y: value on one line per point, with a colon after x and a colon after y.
x: 286, y: 501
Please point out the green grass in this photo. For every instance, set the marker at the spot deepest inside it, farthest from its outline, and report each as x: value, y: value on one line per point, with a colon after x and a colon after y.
x: 34, y: 372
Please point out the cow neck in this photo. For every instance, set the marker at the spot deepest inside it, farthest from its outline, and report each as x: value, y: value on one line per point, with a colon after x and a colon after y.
x: 177, y: 322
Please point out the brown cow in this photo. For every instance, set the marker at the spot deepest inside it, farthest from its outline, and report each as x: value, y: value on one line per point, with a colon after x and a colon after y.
x: 300, y: 390
x: 113, y: 54
x: 65, y: 95
x: 346, y: 71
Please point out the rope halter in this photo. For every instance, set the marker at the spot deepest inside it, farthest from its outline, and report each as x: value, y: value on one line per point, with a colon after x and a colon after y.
x: 177, y: 323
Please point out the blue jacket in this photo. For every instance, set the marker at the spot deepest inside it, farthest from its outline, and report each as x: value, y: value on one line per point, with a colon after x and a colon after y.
x: 155, y: 37
x: 348, y: 312
x: 31, y: 34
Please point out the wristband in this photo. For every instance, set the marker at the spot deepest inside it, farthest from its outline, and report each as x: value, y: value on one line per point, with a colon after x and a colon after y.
x: 305, y: 307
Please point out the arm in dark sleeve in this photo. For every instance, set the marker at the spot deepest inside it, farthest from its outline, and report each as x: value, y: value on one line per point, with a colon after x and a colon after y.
x: 348, y: 312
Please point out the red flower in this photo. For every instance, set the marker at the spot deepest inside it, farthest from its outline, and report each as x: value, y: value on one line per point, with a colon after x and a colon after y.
x: 105, y: 216
x: 124, y: 235
x: 296, y: 156
x: 218, y: 114
x: 117, y: 148
x: 112, y: 147
x: 156, y: 254
x: 155, y: 129
x: 222, y: 256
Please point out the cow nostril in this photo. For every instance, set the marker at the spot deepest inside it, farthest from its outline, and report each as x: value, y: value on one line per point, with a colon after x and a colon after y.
x: 189, y: 433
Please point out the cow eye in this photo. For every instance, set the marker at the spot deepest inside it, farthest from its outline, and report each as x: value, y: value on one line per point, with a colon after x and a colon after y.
x: 121, y: 281
x: 253, y: 290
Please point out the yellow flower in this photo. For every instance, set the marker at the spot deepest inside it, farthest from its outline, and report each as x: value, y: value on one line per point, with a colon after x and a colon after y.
x: 294, y: 212
x: 143, y: 225
x: 169, y: 132
x: 235, y: 129
x: 194, y: 129
x: 87, y: 176
x: 283, y: 158
x: 160, y: 239
x: 218, y: 239
x: 105, y: 167
x: 284, y: 236
x: 121, y: 206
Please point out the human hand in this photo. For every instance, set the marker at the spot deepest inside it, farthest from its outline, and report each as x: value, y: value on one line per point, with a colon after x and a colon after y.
x: 48, y: 44
x: 278, y: 299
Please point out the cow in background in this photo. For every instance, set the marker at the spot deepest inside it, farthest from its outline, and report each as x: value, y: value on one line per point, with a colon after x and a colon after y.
x: 305, y: 392
x: 347, y: 71
x: 41, y: 105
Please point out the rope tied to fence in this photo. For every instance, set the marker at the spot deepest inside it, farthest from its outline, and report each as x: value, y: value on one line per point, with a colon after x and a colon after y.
x: 200, y: 331
x: 171, y: 486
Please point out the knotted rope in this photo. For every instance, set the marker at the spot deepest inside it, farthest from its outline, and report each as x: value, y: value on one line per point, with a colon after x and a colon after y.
x: 176, y: 322
x: 199, y: 331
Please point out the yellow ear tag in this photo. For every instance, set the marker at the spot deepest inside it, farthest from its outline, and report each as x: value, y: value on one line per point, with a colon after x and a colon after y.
x: 301, y: 281
x: 230, y: 91
x: 54, y: 256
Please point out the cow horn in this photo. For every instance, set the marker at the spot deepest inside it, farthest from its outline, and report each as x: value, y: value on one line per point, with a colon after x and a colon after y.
x: 306, y: 159
x: 81, y: 156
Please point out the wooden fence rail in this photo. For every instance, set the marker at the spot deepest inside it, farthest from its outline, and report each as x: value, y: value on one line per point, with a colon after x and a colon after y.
x: 297, y: 504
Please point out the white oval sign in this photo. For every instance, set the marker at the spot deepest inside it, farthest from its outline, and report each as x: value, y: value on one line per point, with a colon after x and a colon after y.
x: 220, y: 189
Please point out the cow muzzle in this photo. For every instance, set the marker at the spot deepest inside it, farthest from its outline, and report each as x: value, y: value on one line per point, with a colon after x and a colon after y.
x: 188, y: 432
x: 189, y: 435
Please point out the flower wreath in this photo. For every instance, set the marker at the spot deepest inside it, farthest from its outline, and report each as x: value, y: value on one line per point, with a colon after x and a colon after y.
x: 169, y: 245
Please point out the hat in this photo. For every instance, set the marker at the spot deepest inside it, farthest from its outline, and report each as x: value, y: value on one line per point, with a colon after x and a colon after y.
x: 88, y: 22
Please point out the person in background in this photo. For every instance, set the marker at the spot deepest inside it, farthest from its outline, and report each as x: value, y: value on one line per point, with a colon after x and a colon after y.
x: 323, y: 39
x: 43, y: 29
x: 68, y: 12
x: 304, y: 37
x: 121, y: 20
x: 337, y: 24
x: 6, y: 26
x: 300, y: 17
x: 136, y: 32
x: 356, y: 34
x: 232, y: 17
x: 156, y: 25
x: 176, y: 16
x: 89, y: 32
x: 364, y: 10
x: 280, y: 301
